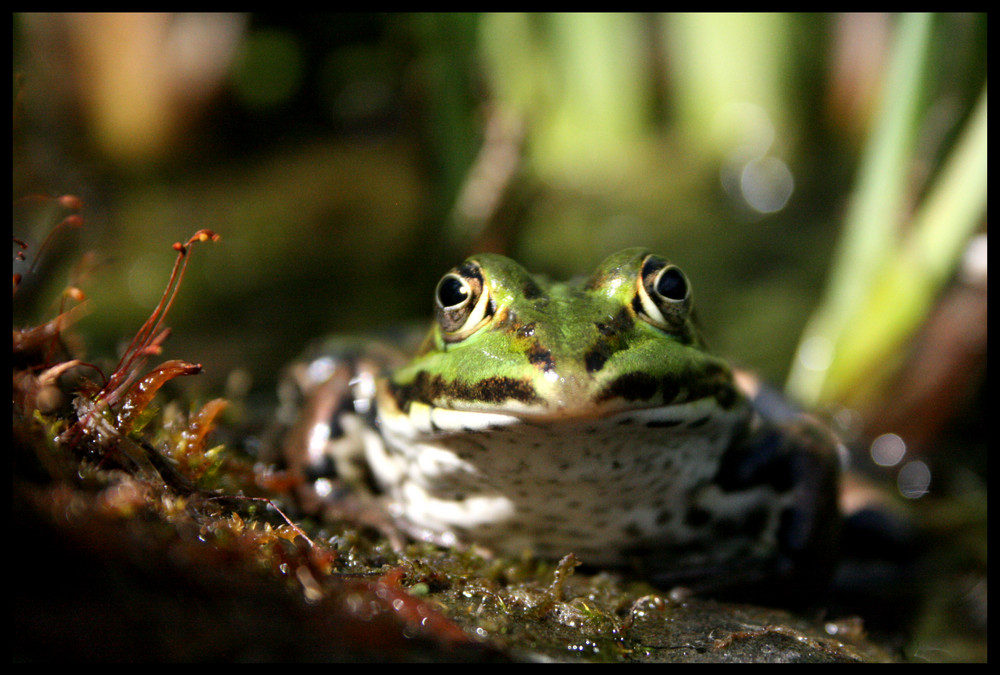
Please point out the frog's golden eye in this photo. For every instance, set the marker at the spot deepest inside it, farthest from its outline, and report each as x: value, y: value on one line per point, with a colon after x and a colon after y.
x: 664, y: 294
x: 462, y: 302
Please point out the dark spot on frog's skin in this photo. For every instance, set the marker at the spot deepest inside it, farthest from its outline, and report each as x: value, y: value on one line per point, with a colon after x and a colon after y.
x: 595, y: 359
x: 631, y: 387
x: 323, y: 468
x: 761, y: 463
x: 427, y: 389
x: 495, y: 390
x: 530, y: 290
x: 700, y: 422
x: 536, y: 354
x: 609, y: 341
x: 697, y: 517
x: 755, y: 521
x: 726, y: 527
x: 726, y: 395
x: 633, y: 530
x: 540, y: 356
x: 672, y: 390
x: 523, y: 331
x: 715, y: 383
x: 663, y: 424
x: 636, y: 304
x: 620, y: 324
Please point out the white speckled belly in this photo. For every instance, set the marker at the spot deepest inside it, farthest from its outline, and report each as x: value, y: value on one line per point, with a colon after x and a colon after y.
x: 596, y: 487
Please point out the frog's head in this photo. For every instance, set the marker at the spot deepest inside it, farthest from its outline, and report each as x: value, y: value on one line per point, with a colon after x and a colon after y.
x: 509, y: 342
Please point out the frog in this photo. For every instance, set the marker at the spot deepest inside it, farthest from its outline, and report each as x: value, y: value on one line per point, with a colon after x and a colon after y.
x: 542, y: 418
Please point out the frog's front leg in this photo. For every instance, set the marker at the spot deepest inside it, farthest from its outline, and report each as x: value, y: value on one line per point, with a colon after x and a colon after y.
x: 766, y: 527
x: 328, y: 406
x: 798, y: 459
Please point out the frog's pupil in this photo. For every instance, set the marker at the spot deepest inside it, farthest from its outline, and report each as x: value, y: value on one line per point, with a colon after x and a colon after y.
x: 671, y: 284
x: 452, y: 291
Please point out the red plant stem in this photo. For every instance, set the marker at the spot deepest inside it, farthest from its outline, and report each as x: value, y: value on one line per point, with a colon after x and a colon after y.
x: 148, y: 338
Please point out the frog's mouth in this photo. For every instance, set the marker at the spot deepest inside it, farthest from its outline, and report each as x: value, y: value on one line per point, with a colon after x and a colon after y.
x: 423, y: 419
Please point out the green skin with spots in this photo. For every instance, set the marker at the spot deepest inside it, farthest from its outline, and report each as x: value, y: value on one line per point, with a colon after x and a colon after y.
x: 571, y: 349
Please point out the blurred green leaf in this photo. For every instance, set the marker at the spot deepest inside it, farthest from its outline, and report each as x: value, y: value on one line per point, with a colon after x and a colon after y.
x: 886, y: 275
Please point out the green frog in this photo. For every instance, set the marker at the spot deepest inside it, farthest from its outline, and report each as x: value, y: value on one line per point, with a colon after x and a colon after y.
x: 588, y: 417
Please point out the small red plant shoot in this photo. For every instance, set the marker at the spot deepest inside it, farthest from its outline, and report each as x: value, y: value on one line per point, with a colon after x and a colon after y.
x: 124, y: 391
x: 35, y: 348
x: 73, y: 220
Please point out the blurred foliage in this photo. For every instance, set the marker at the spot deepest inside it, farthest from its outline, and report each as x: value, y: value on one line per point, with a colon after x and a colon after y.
x: 894, y: 258
x: 336, y: 152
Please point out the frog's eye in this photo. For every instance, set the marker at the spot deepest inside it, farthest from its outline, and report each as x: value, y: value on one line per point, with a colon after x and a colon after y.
x: 462, y: 302
x: 664, y: 294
